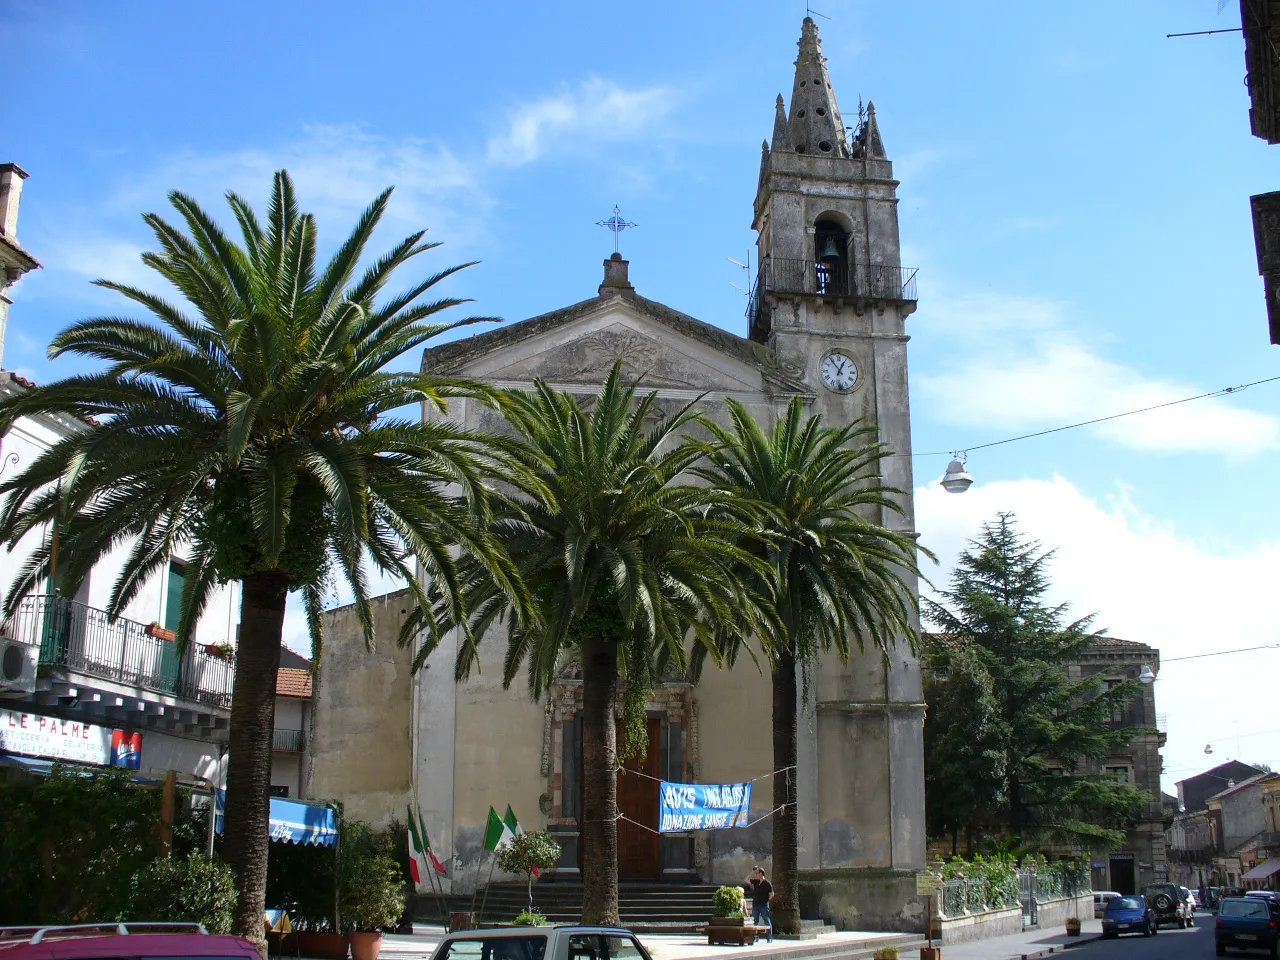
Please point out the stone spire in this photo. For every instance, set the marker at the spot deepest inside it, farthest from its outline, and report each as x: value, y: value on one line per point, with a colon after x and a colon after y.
x: 815, y: 126
x: 781, y: 135
x: 869, y: 136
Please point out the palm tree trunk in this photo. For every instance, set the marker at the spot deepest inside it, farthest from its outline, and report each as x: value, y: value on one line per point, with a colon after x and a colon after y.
x: 786, y: 838
x: 253, y: 707
x: 599, y: 782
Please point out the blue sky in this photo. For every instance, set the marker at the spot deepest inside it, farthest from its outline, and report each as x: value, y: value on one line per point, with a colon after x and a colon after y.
x: 1074, y: 189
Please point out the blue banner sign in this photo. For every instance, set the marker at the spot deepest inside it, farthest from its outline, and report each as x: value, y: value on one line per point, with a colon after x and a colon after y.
x: 703, y: 806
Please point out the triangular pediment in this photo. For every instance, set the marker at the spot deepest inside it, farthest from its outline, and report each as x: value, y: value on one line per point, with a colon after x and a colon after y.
x: 578, y: 345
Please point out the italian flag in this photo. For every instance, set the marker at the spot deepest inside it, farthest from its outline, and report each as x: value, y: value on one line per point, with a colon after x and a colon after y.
x: 498, y: 830
x: 420, y: 853
x: 514, y: 829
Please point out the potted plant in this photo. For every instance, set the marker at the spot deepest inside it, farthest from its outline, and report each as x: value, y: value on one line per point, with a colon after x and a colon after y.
x: 1073, y: 926
x: 887, y: 952
x: 222, y: 651
x: 372, y: 899
x: 728, y: 922
x: 154, y: 629
x: 527, y: 918
x: 727, y: 908
x: 529, y: 853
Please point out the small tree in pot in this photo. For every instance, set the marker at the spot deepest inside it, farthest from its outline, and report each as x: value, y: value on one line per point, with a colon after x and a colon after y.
x: 527, y: 853
x: 372, y: 899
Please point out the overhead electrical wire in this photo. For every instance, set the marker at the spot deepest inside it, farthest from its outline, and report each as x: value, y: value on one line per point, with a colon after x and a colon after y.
x: 1225, y: 391
x: 1219, y: 653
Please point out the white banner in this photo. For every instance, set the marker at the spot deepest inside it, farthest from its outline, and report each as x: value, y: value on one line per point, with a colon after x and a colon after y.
x: 41, y: 736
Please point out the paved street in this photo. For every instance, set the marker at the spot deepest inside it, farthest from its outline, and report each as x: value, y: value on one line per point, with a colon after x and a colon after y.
x: 1169, y: 944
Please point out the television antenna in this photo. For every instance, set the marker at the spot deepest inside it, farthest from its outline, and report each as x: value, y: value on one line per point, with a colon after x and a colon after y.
x: 745, y: 266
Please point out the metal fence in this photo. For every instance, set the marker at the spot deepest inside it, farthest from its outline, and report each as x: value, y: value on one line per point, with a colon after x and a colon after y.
x: 88, y: 640
x: 968, y: 895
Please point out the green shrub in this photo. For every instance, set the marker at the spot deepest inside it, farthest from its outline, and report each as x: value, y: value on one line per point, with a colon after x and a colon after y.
x: 728, y: 902
x: 887, y: 952
x: 195, y: 889
x: 372, y: 884
x: 71, y: 844
x: 527, y: 918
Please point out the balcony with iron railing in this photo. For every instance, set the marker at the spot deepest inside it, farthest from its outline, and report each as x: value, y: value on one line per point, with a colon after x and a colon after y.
x: 287, y: 741
x: 830, y: 278
x: 87, y: 640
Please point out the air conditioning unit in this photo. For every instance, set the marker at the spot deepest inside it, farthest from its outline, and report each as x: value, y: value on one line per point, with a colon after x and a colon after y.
x: 17, y: 668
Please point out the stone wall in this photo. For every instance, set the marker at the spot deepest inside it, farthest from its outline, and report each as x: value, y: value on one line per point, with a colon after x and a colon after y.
x: 360, y: 743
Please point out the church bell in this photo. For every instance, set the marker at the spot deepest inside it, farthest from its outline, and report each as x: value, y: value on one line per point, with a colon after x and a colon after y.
x: 829, y: 249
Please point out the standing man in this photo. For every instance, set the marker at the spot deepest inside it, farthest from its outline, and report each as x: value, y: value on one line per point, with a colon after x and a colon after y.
x: 761, y: 897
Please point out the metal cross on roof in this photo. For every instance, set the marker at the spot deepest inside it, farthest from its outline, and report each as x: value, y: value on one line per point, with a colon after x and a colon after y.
x: 616, y: 224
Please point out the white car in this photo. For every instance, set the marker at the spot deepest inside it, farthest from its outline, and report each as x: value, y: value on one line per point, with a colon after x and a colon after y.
x: 542, y: 943
x: 1100, y: 900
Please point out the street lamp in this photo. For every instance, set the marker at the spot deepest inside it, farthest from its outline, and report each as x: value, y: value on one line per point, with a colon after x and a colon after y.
x: 956, y: 479
x: 1147, y: 675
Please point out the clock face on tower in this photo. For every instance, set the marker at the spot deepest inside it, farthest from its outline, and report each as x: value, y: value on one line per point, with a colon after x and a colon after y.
x: 838, y: 371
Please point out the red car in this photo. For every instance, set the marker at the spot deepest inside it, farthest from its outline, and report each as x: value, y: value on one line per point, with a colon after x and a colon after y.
x: 122, y: 941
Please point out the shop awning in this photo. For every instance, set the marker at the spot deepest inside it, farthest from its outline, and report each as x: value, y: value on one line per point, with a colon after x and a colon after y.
x: 1267, y: 868
x: 297, y: 821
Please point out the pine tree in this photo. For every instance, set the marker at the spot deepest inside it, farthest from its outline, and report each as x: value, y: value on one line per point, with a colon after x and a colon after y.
x: 1017, y: 736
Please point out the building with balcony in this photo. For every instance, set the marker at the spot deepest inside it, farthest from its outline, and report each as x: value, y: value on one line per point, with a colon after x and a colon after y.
x: 289, y: 768
x: 1200, y: 844
x: 1143, y: 858
x: 72, y: 677
x: 1244, y: 831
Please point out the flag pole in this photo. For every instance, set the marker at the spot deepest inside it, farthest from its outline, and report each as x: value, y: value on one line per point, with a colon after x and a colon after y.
x: 488, y: 883
x: 439, y: 893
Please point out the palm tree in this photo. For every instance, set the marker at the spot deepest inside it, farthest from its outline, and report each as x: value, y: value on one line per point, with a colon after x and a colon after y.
x: 254, y: 427
x: 624, y: 569
x: 833, y: 576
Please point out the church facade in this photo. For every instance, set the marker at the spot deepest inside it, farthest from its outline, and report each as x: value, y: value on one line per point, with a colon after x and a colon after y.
x: 827, y: 322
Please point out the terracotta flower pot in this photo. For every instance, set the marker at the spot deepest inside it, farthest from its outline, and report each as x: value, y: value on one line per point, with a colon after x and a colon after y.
x: 365, y: 946
x: 1073, y: 926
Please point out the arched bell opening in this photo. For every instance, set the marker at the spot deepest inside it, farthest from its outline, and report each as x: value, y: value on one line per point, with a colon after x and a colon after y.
x: 831, y: 258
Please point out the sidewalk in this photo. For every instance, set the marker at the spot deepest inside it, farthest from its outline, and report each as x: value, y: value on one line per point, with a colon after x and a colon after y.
x: 1033, y: 943
x: 845, y: 946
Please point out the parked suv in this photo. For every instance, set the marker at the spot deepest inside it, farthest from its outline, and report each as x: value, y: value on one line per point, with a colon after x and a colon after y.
x: 1170, y: 904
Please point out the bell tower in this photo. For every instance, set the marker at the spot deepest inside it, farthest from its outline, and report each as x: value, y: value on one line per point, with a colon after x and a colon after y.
x: 831, y: 301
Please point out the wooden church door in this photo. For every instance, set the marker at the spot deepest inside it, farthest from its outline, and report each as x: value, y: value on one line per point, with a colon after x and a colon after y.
x: 639, y: 850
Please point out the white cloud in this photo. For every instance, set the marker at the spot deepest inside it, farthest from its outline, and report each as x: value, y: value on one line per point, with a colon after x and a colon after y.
x: 1149, y: 584
x: 596, y: 111
x: 1013, y: 365
x: 337, y: 172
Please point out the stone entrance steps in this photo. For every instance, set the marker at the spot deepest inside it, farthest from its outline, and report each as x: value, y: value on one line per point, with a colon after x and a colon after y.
x: 644, y: 907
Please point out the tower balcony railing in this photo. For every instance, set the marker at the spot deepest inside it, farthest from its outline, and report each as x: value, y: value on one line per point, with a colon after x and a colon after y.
x: 837, y: 278
x: 89, y: 641
x: 830, y: 278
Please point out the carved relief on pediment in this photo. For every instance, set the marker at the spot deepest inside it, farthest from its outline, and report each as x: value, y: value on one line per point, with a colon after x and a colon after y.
x: 588, y: 358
